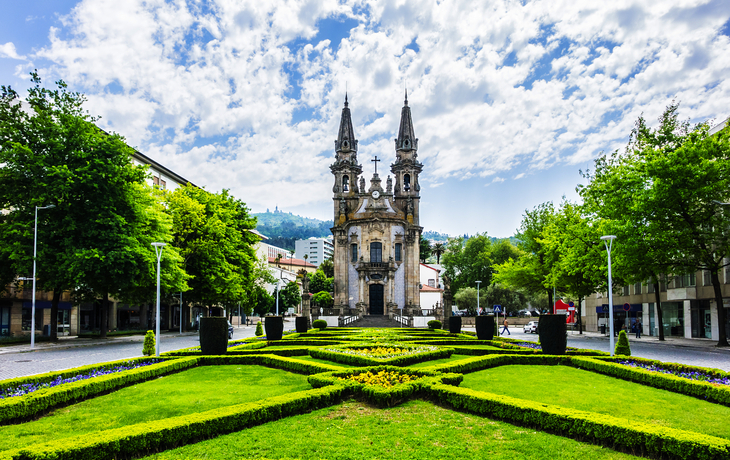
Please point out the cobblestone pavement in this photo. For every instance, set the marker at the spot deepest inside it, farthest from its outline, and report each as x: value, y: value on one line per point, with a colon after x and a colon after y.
x: 19, y: 361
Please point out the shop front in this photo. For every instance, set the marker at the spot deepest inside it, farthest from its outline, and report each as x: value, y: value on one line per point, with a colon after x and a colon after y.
x: 673, y: 319
x: 624, y: 316
x: 701, y: 319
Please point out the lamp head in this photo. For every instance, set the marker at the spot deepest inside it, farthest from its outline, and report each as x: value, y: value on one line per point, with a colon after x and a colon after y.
x: 477, y: 282
x: 159, y: 245
x: 608, y: 237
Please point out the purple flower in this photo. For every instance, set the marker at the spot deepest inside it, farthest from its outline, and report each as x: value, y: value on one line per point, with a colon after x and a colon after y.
x: 691, y: 375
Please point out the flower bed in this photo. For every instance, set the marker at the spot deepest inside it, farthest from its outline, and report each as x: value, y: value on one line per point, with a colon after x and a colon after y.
x: 25, y: 388
x: 385, y: 379
x: 375, y: 354
x: 692, y: 375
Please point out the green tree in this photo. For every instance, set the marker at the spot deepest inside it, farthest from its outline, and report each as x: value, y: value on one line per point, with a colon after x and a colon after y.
x: 466, y: 299
x: 319, y: 282
x: 511, y: 301
x: 424, y: 248
x: 104, y: 217
x: 438, y: 249
x: 529, y: 272
x: 323, y: 299
x: 263, y: 301
x: 289, y: 296
x: 468, y: 262
x: 328, y: 267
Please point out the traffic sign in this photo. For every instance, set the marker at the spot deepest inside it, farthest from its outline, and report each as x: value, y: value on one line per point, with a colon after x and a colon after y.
x: 497, y: 309
x: 627, y: 307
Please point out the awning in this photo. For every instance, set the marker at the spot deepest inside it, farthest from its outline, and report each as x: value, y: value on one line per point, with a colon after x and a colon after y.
x: 618, y: 308
x: 47, y: 304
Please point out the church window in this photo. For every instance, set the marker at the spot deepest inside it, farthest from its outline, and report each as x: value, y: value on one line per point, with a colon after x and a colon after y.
x: 398, y: 251
x: 345, y: 183
x: 407, y: 182
x: 376, y: 252
x: 353, y: 250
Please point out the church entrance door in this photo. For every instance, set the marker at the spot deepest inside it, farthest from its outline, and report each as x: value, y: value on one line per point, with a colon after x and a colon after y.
x: 377, y: 302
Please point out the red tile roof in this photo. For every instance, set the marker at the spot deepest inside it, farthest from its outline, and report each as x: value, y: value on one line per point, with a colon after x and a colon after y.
x: 291, y: 263
x: 427, y: 288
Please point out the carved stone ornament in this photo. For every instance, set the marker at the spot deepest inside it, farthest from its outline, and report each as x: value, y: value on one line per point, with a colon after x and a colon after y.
x: 362, y: 184
x: 389, y: 185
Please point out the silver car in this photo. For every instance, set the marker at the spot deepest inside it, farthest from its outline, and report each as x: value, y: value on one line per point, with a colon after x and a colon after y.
x: 531, y: 327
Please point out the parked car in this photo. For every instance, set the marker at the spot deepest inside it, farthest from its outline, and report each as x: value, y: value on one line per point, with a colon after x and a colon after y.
x: 230, y: 330
x: 530, y: 327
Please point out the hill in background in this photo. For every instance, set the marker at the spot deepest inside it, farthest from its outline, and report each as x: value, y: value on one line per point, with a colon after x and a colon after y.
x: 284, y: 228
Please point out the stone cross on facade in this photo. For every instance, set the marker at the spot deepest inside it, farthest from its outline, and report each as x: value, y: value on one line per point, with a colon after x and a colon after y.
x: 376, y: 163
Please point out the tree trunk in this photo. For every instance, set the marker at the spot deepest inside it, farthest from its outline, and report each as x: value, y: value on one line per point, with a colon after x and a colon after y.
x: 660, y: 317
x: 580, y: 322
x: 104, y: 316
x: 54, y: 314
x: 550, y: 301
x: 722, y: 333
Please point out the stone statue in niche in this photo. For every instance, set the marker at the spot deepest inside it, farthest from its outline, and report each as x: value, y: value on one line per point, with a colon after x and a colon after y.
x: 389, y: 185
x: 343, y: 212
x: 362, y: 184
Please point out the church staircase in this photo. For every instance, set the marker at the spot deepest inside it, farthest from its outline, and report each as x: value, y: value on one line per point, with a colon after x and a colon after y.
x: 375, y: 321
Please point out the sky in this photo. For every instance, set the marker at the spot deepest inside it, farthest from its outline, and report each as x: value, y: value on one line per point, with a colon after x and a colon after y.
x: 510, y: 99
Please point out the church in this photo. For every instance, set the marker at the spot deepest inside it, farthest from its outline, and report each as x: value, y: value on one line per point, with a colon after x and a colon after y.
x: 376, y: 228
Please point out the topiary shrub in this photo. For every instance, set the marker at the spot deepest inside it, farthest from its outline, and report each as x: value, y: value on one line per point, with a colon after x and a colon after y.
x: 259, y: 329
x: 455, y: 324
x: 485, y: 327
x: 434, y: 324
x: 302, y: 324
x: 274, y: 326
x: 319, y: 324
x: 622, y: 346
x: 148, y: 348
x: 213, y: 335
x: 553, y: 334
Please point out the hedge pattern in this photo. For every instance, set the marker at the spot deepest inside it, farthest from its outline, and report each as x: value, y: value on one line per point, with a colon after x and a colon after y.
x: 620, y: 434
x: 32, y: 404
x: 365, y: 361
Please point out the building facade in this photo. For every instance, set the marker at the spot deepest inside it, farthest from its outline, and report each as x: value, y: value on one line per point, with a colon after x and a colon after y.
x: 376, y: 228
x: 317, y: 250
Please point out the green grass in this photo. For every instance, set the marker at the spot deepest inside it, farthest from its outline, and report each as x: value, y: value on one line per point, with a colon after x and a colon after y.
x: 434, y: 362
x: 579, y: 389
x: 322, y: 361
x: 414, y: 430
x: 195, y: 390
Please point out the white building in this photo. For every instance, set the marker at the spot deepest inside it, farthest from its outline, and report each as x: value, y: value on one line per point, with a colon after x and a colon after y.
x: 431, y: 291
x: 317, y: 250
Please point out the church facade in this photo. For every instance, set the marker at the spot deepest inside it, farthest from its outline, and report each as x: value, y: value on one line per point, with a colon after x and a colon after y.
x: 376, y: 227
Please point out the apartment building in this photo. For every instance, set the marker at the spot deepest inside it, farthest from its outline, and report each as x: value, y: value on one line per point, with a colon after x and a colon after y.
x: 317, y: 250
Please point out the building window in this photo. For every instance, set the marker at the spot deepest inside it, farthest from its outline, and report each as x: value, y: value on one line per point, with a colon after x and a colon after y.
x: 706, y: 278
x: 650, y: 287
x: 4, y: 321
x: 345, y: 183
x: 398, y: 252
x: 407, y: 182
x: 376, y: 252
x: 353, y: 249
x: 625, y: 290
x: 155, y: 180
x: 637, y: 288
x: 432, y: 283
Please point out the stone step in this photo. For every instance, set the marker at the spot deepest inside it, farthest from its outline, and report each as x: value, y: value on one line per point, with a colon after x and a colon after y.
x: 375, y: 321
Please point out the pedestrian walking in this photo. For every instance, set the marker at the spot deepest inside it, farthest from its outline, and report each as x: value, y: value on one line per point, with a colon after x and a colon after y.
x: 506, y: 327
x: 638, y: 328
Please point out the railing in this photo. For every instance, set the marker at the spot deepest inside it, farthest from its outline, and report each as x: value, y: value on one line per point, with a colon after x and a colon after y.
x: 374, y: 264
x: 344, y: 321
x: 422, y: 312
x: 403, y: 320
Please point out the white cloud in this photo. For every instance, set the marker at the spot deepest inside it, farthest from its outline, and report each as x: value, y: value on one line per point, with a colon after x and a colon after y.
x: 496, y: 88
x: 8, y: 51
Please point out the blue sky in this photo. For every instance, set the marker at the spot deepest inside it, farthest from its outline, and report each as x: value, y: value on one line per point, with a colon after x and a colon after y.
x: 509, y: 99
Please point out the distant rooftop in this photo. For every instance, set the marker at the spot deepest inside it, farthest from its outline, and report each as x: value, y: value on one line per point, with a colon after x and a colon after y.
x: 719, y: 126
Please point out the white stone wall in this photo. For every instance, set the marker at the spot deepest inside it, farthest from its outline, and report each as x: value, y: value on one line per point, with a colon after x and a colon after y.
x: 400, y: 286
x: 353, y: 282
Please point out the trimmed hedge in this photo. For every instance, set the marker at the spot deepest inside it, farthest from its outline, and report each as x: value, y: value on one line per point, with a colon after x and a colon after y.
x: 279, y: 362
x: 19, y: 408
x: 467, y: 365
x: 697, y: 388
x: 145, y: 438
x: 365, y: 361
x: 382, y: 396
x: 616, y: 433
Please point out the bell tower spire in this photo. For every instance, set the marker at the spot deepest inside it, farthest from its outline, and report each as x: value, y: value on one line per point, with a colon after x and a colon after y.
x: 406, y: 140
x: 346, y: 142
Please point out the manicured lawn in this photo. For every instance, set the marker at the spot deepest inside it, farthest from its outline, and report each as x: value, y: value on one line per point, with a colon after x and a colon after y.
x: 323, y: 361
x: 414, y: 430
x: 575, y: 388
x: 434, y: 362
x: 195, y: 390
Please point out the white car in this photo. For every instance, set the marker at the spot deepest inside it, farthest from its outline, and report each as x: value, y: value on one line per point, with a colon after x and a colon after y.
x: 530, y: 327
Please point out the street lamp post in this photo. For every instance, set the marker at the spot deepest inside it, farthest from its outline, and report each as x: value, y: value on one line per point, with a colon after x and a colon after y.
x: 608, y: 241
x: 35, y: 245
x: 158, y: 252
x: 478, y: 283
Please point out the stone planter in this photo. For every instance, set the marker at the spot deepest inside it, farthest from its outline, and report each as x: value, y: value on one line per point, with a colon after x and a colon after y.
x: 455, y: 324
x: 485, y: 327
x: 213, y: 335
x: 302, y: 324
x: 274, y: 326
x: 553, y: 334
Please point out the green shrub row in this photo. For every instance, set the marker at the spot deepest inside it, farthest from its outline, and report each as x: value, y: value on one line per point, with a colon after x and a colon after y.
x: 381, y: 396
x: 321, y: 353
x: 149, y: 437
x: 697, y: 388
x: 677, y: 367
x: 32, y: 404
x: 620, y: 434
x: 298, y: 342
x: 279, y: 362
x: 465, y: 366
x: 467, y: 350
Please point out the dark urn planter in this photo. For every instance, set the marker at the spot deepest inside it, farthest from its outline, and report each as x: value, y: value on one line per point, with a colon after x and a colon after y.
x: 213, y: 335
x: 302, y: 324
x: 485, y: 327
x: 274, y: 326
x: 455, y: 324
x: 553, y: 334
